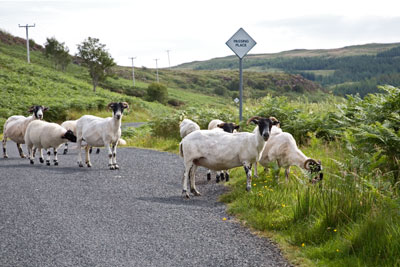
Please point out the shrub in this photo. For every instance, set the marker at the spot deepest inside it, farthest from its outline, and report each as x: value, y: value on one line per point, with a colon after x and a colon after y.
x: 157, y: 92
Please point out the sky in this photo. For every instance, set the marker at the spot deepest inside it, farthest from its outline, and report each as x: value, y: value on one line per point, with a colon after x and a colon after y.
x: 198, y: 30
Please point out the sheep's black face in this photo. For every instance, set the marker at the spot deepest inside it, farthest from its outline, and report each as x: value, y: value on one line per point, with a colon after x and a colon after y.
x: 316, y: 171
x: 264, y: 126
x: 118, y: 109
x: 38, y: 111
x: 228, y: 127
x: 69, y: 135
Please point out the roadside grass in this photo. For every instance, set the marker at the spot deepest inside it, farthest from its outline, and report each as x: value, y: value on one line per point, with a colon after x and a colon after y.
x: 342, y: 221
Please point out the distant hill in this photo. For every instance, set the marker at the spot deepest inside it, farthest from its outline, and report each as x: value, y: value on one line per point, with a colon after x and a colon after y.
x: 347, y: 70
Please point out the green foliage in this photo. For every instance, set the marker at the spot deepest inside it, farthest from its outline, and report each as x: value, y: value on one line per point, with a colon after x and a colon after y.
x: 157, y: 92
x: 58, y: 52
x: 96, y: 58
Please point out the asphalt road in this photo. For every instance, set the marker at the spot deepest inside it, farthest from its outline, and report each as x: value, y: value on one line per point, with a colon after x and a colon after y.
x: 70, y: 216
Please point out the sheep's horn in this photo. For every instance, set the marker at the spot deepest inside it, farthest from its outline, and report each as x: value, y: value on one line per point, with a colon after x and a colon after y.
x: 307, y: 163
x: 221, y: 125
x: 126, y: 105
x: 252, y: 118
x: 109, y: 105
x: 275, y: 121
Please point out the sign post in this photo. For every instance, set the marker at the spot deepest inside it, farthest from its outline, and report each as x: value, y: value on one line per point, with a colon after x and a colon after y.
x: 241, y: 43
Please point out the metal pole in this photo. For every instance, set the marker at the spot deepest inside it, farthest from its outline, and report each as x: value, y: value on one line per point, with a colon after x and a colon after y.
x: 240, y: 89
x: 169, y: 63
x: 27, y: 40
x: 157, y: 68
x: 133, y: 71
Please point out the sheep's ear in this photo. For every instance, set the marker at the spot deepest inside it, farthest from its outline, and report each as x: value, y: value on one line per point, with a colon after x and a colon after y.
x: 221, y: 125
x: 125, y: 105
x: 236, y: 127
x: 45, y: 108
x: 111, y: 105
x: 31, y: 109
x: 275, y: 122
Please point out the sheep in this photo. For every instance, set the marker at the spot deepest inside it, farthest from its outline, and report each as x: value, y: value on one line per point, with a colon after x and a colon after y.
x: 71, y: 125
x: 187, y: 126
x: 15, y: 127
x: 218, y: 150
x: 228, y: 127
x: 101, y: 132
x: 44, y: 135
x: 281, y: 147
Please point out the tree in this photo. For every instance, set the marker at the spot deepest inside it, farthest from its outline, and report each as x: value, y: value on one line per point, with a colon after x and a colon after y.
x: 96, y: 58
x: 157, y: 92
x: 58, y: 52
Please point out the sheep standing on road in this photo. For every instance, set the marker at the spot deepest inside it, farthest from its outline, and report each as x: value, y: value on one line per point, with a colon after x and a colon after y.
x: 71, y: 125
x: 281, y: 147
x: 228, y: 127
x: 99, y: 132
x: 187, y: 126
x: 15, y: 127
x: 45, y: 135
x: 218, y: 150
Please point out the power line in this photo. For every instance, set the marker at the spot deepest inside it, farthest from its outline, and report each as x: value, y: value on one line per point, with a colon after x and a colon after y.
x: 157, y: 59
x: 27, y: 39
x: 133, y: 71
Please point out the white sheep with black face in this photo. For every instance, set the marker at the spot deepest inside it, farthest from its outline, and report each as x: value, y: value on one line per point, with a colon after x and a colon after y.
x: 282, y: 148
x: 219, y: 150
x: 15, y: 127
x: 45, y: 135
x: 98, y: 132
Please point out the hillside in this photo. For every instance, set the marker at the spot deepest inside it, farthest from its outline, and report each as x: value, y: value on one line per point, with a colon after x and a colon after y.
x: 347, y: 70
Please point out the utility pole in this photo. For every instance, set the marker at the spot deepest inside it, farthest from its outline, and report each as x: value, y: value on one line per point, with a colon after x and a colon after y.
x: 27, y: 39
x: 133, y: 71
x: 169, y: 63
x: 157, y: 59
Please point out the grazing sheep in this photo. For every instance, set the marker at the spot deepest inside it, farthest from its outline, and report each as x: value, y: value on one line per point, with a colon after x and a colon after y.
x: 281, y: 147
x: 44, y: 135
x: 187, y: 126
x: 219, y: 150
x: 228, y: 127
x: 99, y: 132
x: 15, y: 127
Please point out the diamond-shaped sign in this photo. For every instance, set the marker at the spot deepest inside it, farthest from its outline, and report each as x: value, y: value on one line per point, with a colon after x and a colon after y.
x: 241, y: 43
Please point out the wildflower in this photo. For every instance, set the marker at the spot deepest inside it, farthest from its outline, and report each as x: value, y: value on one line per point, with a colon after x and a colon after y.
x: 224, y: 219
x: 283, y: 205
x: 337, y: 250
x: 254, y: 184
x: 334, y: 230
x: 265, y: 186
x: 303, y: 245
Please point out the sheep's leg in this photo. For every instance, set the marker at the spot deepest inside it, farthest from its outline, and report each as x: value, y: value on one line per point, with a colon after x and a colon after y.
x: 218, y: 176
x: 255, y: 170
x: 287, y: 171
x: 208, y: 175
x: 48, y: 157
x: 79, y: 145
x: 193, y: 188
x: 65, y: 148
x: 247, y: 169
x: 55, y: 160
x: 21, y: 153
x: 5, y: 146
x: 222, y: 175
x: 98, y: 151
x: 31, y: 155
x: 87, y: 156
x: 110, y: 157
x: 40, y: 154
x: 186, y: 176
x: 114, y: 155
x: 227, y: 175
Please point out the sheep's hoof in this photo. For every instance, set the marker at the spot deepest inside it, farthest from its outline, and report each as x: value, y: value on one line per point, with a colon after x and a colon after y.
x: 116, y: 167
x: 248, y: 188
x: 227, y: 177
x: 5, y: 156
x: 98, y: 151
x: 112, y: 167
x: 41, y: 160
x: 80, y: 164
x: 22, y: 156
x: 217, y: 181
x: 32, y: 162
x: 195, y: 192
x: 185, y: 194
x: 48, y: 162
x: 65, y: 152
x: 88, y: 164
x: 208, y: 176
x: 55, y: 163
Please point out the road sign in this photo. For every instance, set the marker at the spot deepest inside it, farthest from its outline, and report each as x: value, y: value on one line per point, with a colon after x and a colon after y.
x: 241, y: 43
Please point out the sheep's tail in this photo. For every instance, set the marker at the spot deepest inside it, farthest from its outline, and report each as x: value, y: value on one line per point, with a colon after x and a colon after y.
x: 121, y: 142
x: 181, y: 149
